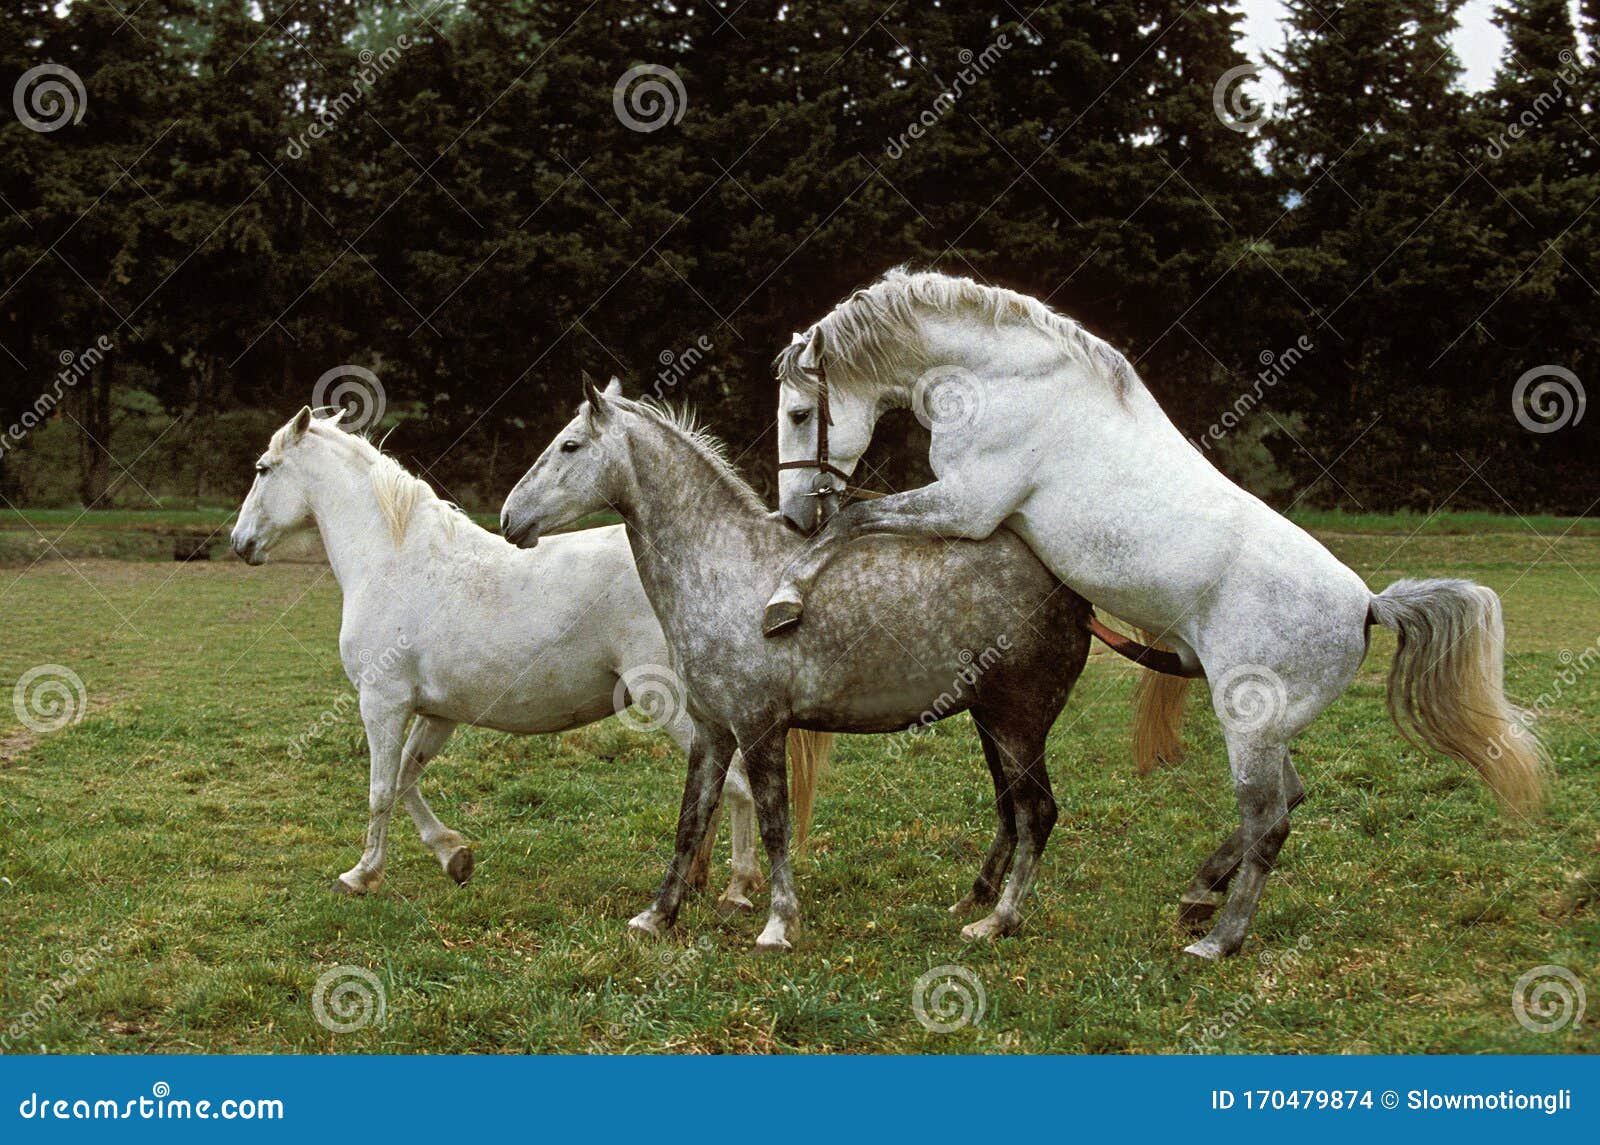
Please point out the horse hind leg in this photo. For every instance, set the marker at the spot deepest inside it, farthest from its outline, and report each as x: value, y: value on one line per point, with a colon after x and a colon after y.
x: 742, y: 815
x: 997, y: 862
x: 1257, y: 763
x: 1208, y: 890
x: 1035, y: 807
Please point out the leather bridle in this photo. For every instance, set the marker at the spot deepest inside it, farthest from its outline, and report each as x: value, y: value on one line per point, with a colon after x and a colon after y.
x: 822, y: 462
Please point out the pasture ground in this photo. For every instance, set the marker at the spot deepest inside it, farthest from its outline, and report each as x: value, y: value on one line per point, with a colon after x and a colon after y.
x: 165, y: 864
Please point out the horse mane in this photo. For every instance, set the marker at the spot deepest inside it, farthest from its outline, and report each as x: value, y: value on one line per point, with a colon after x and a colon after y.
x: 400, y: 493
x: 682, y: 422
x: 880, y: 326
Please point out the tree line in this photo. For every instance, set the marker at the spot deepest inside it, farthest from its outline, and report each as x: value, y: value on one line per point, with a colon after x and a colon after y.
x: 1363, y: 286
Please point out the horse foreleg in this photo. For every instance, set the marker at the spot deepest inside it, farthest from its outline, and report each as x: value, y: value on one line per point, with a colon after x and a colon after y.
x: 942, y: 509
x: 742, y: 815
x: 385, y: 724
x: 709, y: 755
x: 427, y: 739
x: 765, y: 761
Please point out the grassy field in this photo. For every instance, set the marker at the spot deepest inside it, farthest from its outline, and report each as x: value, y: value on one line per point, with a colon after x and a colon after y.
x: 165, y: 867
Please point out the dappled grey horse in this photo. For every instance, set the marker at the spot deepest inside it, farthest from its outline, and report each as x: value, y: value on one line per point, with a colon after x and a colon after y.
x: 912, y: 631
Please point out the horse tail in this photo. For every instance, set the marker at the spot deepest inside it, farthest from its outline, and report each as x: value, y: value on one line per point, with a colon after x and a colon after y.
x: 1447, y: 685
x: 808, y: 754
x: 1158, y: 701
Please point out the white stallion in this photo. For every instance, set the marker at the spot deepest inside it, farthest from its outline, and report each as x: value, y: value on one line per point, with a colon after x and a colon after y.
x: 447, y: 623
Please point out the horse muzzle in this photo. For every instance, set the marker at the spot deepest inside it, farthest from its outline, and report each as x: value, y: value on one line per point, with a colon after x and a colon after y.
x: 523, y: 534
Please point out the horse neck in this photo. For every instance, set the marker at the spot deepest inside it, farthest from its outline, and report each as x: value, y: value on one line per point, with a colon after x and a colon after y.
x: 345, y: 507
x: 679, y: 541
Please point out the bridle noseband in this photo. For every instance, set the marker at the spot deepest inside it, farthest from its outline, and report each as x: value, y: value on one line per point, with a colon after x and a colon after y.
x: 822, y: 463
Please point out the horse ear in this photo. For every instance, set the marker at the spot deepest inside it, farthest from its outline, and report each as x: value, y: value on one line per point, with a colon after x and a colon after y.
x: 588, y: 380
x: 614, y: 387
x: 301, y: 423
x: 599, y: 408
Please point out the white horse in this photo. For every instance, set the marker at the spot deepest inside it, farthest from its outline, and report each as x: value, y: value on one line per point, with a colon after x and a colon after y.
x: 1039, y: 426
x: 448, y: 623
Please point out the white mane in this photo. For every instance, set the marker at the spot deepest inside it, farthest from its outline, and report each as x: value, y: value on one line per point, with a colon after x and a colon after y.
x: 683, y: 422
x: 401, y: 495
x: 880, y: 327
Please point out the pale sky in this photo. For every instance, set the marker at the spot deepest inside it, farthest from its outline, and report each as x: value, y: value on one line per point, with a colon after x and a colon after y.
x: 1477, y: 41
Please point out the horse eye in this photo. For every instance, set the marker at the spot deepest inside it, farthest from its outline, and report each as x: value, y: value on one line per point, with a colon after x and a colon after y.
x: 263, y: 469
x: 799, y: 416
x: 570, y: 445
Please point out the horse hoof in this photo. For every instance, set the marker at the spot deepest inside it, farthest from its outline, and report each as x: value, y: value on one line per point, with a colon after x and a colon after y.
x: 773, y: 946
x: 460, y: 865
x: 730, y: 905
x: 780, y: 616
x: 340, y: 887
x: 1206, y: 948
x: 965, y: 907
x: 643, y: 926
x: 988, y: 927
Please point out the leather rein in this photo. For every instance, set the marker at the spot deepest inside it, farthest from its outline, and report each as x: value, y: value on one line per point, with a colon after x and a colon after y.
x: 1155, y: 659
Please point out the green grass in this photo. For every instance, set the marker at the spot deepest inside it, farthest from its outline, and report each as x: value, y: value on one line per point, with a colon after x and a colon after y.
x: 166, y: 866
